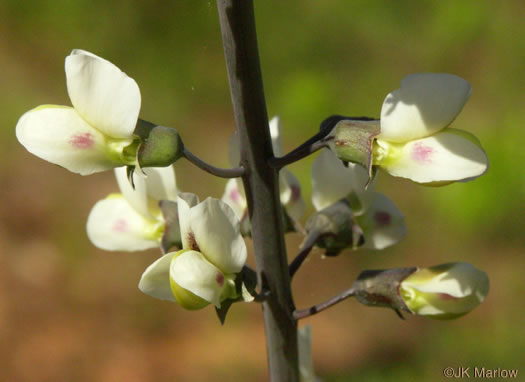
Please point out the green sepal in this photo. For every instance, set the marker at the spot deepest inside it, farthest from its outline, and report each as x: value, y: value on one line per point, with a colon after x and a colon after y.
x: 381, y: 288
x: 336, y: 227
x: 159, y: 146
x: 247, y: 278
x: 353, y: 142
x: 129, y: 174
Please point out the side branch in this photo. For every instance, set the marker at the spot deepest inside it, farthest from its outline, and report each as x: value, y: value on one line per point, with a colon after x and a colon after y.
x: 298, y: 154
x: 317, y: 142
x: 305, y: 250
x: 220, y: 172
x: 303, y: 313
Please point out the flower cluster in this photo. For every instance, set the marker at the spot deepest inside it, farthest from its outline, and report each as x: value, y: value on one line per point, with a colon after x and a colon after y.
x: 203, y: 249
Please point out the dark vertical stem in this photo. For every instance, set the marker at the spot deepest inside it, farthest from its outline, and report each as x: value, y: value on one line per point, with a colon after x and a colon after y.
x: 261, y: 184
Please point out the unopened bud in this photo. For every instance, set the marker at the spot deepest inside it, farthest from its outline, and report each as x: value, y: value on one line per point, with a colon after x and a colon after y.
x: 336, y: 227
x: 159, y: 147
x: 381, y: 288
x: 353, y: 141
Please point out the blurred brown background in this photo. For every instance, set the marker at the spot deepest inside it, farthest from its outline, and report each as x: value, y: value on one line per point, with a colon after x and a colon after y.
x: 71, y: 312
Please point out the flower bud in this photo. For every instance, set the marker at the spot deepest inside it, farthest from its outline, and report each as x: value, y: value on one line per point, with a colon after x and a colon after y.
x: 336, y: 228
x: 353, y: 141
x: 381, y: 288
x: 444, y: 291
x: 160, y: 146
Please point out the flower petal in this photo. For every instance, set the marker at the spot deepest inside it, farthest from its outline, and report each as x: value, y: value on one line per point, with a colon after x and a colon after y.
x: 185, y: 223
x: 161, y: 183
x: 216, y: 232
x: 450, y: 155
x: 155, y: 281
x: 191, y: 271
x: 276, y: 133
x: 151, y: 185
x: 383, y: 224
x: 454, y: 279
x: 290, y: 194
x: 102, y: 94
x: 59, y: 135
x: 114, y: 225
x: 445, y: 291
x: 333, y: 181
x: 425, y: 104
x: 137, y: 197
x: 234, y: 197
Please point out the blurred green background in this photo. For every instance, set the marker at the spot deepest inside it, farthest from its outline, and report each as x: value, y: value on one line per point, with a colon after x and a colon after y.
x: 71, y: 312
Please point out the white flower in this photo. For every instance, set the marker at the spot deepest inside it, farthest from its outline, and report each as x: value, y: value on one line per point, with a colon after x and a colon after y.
x: 92, y: 135
x: 415, y: 141
x: 445, y: 291
x: 382, y: 223
x: 289, y: 186
x: 132, y: 220
x: 213, y: 254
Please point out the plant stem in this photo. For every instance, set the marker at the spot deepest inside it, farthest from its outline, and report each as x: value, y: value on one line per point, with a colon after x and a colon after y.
x: 303, y: 313
x: 239, y: 37
x: 220, y: 172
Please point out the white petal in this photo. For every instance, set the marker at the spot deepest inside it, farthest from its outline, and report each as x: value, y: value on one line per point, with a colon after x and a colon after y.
x: 425, y: 104
x: 216, y: 232
x: 450, y: 155
x: 114, y: 225
x: 183, y: 209
x: 190, y: 199
x: 383, y: 224
x: 276, y: 134
x: 193, y: 272
x: 155, y: 280
x: 332, y: 181
x: 290, y: 194
x: 234, y: 197
x: 455, y: 279
x: 102, y: 94
x: 137, y: 197
x: 60, y: 136
x: 161, y: 183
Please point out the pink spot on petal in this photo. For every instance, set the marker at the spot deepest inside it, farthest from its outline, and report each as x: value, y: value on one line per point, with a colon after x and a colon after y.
x: 382, y: 218
x: 120, y: 226
x: 421, y: 153
x: 82, y: 141
x: 219, y: 277
x: 235, y: 195
x: 296, y: 192
x: 445, y: 296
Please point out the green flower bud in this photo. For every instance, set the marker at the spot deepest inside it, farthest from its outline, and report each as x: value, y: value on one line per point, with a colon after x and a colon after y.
x: 336, y: 228
x: 159, y: 146
x: 353, y: 141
